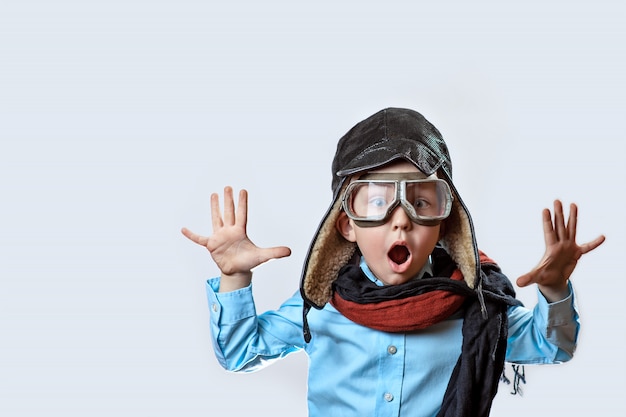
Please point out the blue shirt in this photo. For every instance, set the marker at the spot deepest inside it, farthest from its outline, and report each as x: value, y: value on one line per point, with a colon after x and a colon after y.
x: 355, y: 370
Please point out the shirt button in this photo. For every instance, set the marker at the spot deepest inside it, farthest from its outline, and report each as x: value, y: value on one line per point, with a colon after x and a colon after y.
x: 392, y: 350
x: 215, y: 307
x: 388, y: 397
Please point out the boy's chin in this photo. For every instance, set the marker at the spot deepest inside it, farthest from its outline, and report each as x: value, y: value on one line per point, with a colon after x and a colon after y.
x: 396, y: 279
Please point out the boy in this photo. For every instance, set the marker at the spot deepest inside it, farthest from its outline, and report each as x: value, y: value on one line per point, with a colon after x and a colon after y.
x: 409, y: 317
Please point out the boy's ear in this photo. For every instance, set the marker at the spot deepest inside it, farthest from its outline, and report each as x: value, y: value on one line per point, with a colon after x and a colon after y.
x: 344, y: 227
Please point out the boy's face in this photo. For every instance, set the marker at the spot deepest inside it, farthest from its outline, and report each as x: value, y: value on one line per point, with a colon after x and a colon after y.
x: 398, y: 249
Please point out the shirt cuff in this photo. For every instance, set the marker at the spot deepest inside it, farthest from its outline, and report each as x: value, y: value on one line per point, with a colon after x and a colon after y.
x: 560, y: 312
x: 229, y: 307
x: 561, y: 321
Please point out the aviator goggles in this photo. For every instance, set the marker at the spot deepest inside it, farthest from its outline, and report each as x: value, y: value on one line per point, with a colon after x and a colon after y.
x: 370, y: 200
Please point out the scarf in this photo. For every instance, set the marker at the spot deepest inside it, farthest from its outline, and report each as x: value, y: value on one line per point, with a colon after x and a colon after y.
x: 474, y: 380
x: 393, y: 308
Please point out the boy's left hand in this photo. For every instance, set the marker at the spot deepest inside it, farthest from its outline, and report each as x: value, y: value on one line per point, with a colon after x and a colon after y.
x: 562, y: 254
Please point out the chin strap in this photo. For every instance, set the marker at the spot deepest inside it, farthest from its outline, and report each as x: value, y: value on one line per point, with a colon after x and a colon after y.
x: 305, y: 322
x: 481, y: 299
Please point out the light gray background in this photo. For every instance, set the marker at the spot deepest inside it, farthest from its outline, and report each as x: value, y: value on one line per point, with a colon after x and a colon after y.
x: 119, y: 118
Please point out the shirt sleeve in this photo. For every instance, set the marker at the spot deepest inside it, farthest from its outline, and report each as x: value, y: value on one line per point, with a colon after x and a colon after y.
x: 546, y: 334
x: 243, y: 341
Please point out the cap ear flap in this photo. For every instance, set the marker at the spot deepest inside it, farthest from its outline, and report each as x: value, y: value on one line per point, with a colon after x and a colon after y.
x: 457, y: 240
x: 328, y: 254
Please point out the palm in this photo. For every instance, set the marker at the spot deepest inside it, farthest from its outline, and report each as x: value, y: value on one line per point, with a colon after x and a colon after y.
x: 562, y: 251
x: 229, y: 245
x: 232, y: 250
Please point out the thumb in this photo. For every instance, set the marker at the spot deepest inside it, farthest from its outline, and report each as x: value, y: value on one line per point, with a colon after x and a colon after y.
x: 274, y: 253
x: 525, y: 279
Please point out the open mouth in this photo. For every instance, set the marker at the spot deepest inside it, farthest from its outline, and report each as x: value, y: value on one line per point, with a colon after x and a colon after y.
x: 399, y: 254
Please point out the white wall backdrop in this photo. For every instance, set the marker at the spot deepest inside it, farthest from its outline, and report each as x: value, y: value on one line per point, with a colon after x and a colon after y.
x: 119, y: 118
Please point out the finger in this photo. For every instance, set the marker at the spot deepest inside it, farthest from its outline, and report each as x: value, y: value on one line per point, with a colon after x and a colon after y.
x: 588, y: 247
x: 559, y: 221
x: 200, y: 240
x: 242, y: 209
x: 216, y: 215
x: 548, y: 228
x: 229, y: 206
x: 572, y: 221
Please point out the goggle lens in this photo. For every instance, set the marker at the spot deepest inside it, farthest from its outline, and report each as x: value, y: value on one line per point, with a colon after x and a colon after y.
x: 426, y: 201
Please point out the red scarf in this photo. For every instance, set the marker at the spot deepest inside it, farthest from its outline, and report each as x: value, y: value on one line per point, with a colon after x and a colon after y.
x: 407, y: 313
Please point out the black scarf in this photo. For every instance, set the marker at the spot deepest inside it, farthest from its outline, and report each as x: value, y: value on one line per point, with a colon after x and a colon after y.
x: 474, y: 380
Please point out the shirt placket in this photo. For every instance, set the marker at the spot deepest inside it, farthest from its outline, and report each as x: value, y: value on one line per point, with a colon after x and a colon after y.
x: 391, y: 374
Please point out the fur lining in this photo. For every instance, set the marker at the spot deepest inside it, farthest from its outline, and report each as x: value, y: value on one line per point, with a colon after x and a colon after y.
x: 329, y: 253
x: 458, y: 242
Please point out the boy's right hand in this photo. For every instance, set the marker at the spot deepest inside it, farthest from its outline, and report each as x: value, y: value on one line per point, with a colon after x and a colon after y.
x: 229, y: 245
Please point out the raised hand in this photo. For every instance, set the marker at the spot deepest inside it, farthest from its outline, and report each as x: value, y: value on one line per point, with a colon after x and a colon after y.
x: 561, y: 255
x: 229, y: 245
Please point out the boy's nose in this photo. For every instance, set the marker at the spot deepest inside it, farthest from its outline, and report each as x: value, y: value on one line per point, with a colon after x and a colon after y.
x: 400, y: 219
